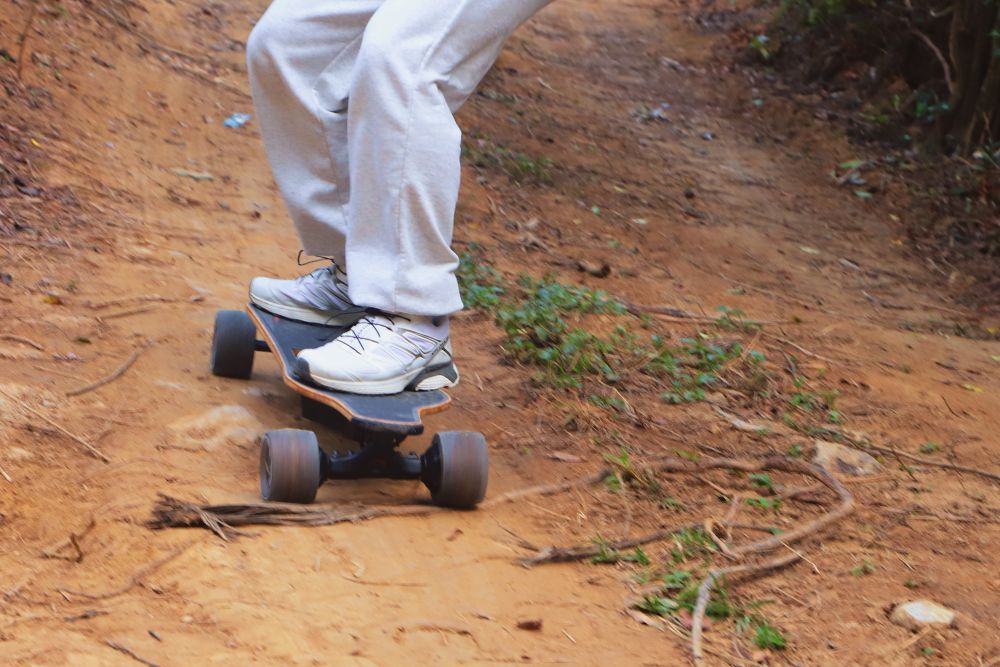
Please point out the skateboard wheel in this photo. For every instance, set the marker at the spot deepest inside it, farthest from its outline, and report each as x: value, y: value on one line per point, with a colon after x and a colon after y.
x: 233, y: 344
x: 456, y: 469
x: 290, y: 466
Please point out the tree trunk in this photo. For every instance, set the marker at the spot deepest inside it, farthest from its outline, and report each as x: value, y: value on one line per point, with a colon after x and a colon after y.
x: 974, y: 47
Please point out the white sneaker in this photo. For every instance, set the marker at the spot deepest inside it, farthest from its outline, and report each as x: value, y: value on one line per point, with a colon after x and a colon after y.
x: 380, y: 355
x: 319, y: 297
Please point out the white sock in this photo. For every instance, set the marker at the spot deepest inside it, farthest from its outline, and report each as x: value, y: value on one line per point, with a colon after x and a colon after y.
x: 435, y: 327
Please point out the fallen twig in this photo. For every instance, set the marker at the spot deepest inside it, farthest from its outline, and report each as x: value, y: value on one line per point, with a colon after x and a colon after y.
x: 5, y: 475
x: 121, y: 648
x: 22, y: 41
x: 173, y: 513
x: 121, y: 370
x: 677, y: 315
x: 554, y: 554
x: 72, y: 436
x: 801, y: 349
x: 22, y: 340
x: 136, y: 578
x: 150, y: 298
x: 125, y: 313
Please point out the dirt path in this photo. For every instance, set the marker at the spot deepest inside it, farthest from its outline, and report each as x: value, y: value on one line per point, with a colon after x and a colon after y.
x: 137, y: 255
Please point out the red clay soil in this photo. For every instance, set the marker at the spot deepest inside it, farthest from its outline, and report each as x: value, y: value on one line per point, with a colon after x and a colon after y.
x: 108, y: 245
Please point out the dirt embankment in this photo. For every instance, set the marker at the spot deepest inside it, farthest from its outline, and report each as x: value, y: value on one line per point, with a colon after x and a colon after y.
x: 606, y: 135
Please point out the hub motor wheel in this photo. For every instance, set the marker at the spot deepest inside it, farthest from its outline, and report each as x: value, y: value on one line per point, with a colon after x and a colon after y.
x: 234, y: 341
x: 290, y: 466
x: 456, y: 469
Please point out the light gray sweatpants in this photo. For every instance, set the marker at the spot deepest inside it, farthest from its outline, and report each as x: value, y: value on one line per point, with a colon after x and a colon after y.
x: 355, y: 101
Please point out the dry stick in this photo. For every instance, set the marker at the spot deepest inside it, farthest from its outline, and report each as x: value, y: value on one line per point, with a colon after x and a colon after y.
x: 23, y: 41
x: 676, y: 315
x: 110, y: 378
x: 75, y: 438
x: 121, y: 648
x: 5, y: 475
x: 125, y: 313
x: 705, y: 592
x: 21, y: 339
x: 924, y: 461
x: 800, y: 348
x: 149, y: 298
x: 136, y: 578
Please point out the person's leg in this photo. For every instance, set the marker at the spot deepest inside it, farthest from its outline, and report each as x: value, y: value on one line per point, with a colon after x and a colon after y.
x: 418, y: 62
x: 300, y: 58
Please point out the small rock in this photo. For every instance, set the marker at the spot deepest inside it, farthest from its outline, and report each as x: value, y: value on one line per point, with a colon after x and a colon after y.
x: 919, y: 614
x: 226, y: 425
x: 19, y: 454
x: 844, y: 460
x: 534, y: 624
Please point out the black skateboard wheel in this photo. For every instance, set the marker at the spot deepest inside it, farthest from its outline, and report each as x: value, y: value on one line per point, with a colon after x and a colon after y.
x: 290, y: 466
x: 233, y: 344
x: 456, y: 469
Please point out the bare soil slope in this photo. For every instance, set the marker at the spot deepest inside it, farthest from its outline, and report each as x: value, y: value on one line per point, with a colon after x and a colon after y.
x: 129, y: 214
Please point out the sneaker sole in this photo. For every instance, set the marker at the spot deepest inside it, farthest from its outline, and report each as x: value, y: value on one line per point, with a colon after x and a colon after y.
x: 308, y: 315
x: 429, y: 379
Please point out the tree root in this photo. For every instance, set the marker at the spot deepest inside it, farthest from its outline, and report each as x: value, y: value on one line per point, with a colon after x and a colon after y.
x: 708, y: 584
x: 136, y: 578
x: 672, y: 464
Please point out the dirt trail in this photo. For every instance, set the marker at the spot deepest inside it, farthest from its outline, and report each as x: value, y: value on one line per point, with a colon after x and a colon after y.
x: 749, y: 219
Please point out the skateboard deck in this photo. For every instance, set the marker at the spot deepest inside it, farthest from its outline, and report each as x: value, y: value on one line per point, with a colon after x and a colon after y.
x: 397, y: 413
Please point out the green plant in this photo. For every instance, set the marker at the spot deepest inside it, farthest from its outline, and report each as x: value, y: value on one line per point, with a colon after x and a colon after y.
x: 658, y: 605
x: 538, y: 333
x: 689, y: 543
x: 605, y: 554
x: 761, y: 480
x: 519, y: 167
x: 759, y: 45
x: 769, y: 504
x: 769, y: 637
x: 929, y: 447
x: 693, y: 367
x: 676, y: 579
x: 863, y: 569
x: 480, y: 284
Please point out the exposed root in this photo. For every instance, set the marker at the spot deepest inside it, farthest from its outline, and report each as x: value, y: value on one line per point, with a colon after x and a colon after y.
x: 583, y: 551
x: 136, y: 578
x: 708, y: 584
x: 671, y: 464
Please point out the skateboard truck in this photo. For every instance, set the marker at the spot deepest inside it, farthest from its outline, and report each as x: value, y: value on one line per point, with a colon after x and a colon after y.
x: 293, y: 466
